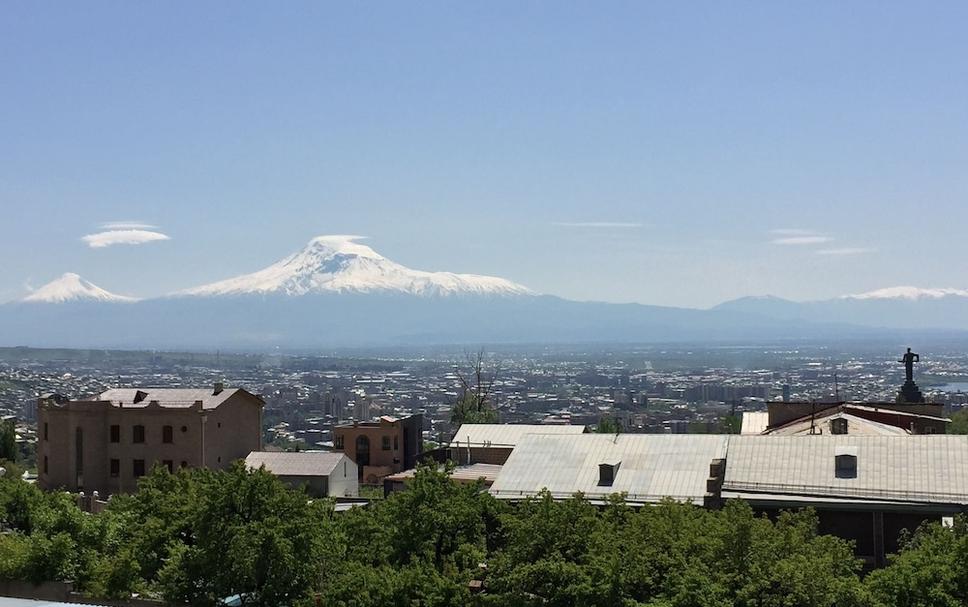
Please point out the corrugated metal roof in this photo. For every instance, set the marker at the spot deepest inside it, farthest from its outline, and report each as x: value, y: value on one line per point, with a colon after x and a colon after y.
x: 855, y: 425
x: 653, y: 466
x: 470, y: 473
x: 924, y: 468
x: 505, y: 435
x: 301, y: 463
x: 755, y: 422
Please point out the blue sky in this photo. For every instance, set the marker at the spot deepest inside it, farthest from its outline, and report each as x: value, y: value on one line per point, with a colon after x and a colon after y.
x: 671, y: 153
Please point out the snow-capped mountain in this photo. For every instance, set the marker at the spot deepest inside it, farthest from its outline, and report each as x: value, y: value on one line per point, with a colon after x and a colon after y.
x: 70, y: 287
x: 910, y: 293
x: 341, y: 264
x: 891, y: 307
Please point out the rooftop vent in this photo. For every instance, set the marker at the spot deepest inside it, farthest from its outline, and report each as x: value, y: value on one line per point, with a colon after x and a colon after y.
x: 838, y: 426
x: 139, y: 396
x: 607, y: 472
x: 219, y: 386
x: 845, y: 462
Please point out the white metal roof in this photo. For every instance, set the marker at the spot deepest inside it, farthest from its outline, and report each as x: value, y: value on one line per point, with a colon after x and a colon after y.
x: 755, y: 422
x: 921, y: 468
x: 505, y: 435
x: 301, y: 463
x: 653, y: 466
x: 855, y: 425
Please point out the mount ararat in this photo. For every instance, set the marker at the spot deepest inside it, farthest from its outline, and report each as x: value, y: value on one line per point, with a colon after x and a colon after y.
x: 338, y: 292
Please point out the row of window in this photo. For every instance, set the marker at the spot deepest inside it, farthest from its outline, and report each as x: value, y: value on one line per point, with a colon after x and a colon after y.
x: 138, y: 433
x: 363, y: 443
x: 138, y: 467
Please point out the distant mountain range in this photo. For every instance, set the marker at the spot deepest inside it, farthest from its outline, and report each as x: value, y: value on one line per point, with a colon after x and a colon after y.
x: 337, y: 292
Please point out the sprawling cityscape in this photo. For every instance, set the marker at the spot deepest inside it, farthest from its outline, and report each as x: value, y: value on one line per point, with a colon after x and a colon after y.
x: 648, y: 389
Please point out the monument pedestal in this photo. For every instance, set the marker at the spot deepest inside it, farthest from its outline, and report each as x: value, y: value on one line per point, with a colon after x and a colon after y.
x: 910, y: 393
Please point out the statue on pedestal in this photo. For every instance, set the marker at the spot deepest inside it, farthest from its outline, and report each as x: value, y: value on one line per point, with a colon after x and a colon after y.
x: 910, y: 393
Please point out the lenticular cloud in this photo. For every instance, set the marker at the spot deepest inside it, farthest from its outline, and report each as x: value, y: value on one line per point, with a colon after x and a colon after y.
x: 113, y: 237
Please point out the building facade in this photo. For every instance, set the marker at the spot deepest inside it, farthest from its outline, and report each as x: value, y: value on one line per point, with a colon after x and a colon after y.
x: 320, y: 473
x: 382, y: 447
x: 107, y: 442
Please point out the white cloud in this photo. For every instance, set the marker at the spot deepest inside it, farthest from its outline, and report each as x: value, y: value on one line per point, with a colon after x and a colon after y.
x: 126, y: 236
x: 801, y: 240
x: 793, y: 232
x: 597, y: 224
x: 846, y: 251
x: 127, y: 225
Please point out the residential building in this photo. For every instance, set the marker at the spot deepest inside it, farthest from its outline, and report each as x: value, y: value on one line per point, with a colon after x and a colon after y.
x: 381, y: 447
x: 323, y: 474
x: 106, y: 442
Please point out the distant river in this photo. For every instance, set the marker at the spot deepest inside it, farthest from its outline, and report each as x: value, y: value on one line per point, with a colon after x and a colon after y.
x: 958, y: 386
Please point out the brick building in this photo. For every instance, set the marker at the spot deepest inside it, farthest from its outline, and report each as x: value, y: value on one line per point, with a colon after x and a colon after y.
x: 105, y: 443
x: 382, y: 447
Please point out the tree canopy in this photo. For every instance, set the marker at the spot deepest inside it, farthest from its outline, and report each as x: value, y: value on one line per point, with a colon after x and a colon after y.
x: 197, y: 536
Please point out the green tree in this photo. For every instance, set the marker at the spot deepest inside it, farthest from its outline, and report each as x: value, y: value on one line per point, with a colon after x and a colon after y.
x: 608, y: 425
x: 251, y: 536
x: 474, y: 406
x: 959, y: 422
x: 8, y: 441
x: 931, y: 569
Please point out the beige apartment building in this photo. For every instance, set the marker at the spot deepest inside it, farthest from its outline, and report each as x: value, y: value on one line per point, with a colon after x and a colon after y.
x: 381, y: 447
x: 105, y: 443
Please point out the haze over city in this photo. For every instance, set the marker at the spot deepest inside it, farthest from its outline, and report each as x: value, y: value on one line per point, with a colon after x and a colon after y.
x: 660, y: 154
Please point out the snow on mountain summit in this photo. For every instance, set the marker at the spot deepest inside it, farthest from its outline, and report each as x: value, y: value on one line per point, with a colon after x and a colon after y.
x: 341, y: 264
x: 909, y: 293
x: 71, y: 287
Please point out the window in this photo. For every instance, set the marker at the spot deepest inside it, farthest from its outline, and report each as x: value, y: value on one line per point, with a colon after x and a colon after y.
x: 115, y: 468
x: 846, y: 465
x: 338, y: 442
x: 115, y: 433
x: 138, y: 436
x: 46, y: 436
x: 396, y: 443
x: 184, y: 428
x: 138, y: 469
x: 386, y: 443
x: 167, y: 463
x: 184, y: 464
x: 46, y: 468
x: 167, y: 435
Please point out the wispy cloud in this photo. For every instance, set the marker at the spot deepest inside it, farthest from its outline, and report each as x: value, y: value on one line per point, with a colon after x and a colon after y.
x: 797, y: 237
x: 126, y: 236
x: 793, y: 232
x: 596, y: 224
x: 801, y: 240
x: 846, y: 251
x: 127, y: 225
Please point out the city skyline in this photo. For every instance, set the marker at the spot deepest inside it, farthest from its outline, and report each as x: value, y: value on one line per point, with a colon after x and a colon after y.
x: 665, y: 155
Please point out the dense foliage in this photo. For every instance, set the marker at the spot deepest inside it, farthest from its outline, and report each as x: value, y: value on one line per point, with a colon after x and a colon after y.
x: 197, y: 536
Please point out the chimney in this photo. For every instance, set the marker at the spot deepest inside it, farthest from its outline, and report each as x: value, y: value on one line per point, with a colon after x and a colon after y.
x: 219, y: 386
